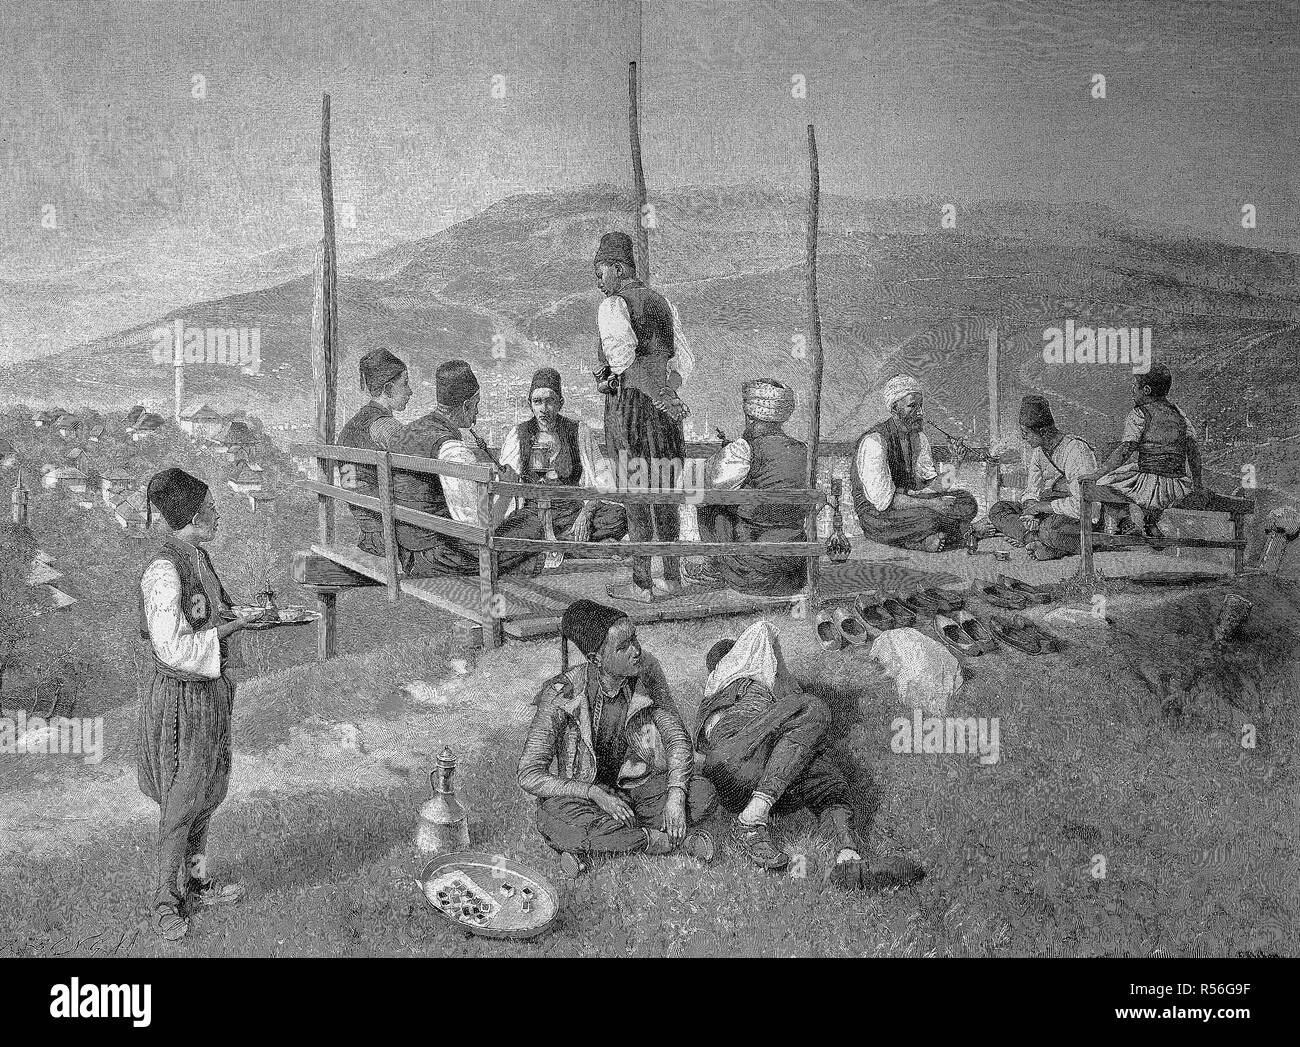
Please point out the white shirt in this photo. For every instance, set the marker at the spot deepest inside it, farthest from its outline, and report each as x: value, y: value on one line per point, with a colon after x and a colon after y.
x: 618, y: 339
x: 616, y: 335
x: 462, y: 496
x: 591, y: 458
x: 177, y: 645
x: 1075, y: 459
x: 732, y: 465
x: 596, y: 469
x: 873, y: 469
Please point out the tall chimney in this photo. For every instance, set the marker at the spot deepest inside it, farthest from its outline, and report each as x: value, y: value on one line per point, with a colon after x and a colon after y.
x: 19, y: 499
x: 178, y: 367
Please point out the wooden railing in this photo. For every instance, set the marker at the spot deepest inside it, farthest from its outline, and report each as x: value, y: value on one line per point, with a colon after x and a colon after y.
x: 492, y: 487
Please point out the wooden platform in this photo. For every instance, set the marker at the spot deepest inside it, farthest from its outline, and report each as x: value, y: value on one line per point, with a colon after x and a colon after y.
x: 530, y: 608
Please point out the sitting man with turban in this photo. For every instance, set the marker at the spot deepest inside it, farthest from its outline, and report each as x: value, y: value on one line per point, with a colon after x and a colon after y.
x: 1046, y: 522
x: 445, y: 433
x: 764, y: 458
x: 551, y: 448
x: 608, y: 756
x: 894, y: 482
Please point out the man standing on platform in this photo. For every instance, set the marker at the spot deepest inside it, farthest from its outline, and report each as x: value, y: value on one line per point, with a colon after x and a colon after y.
x: 765, y: 458
x: 1046, y: 521
x: 643, y: 415
x: 894, y: 482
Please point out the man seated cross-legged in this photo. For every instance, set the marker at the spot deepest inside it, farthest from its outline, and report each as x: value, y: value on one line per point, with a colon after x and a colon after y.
x: 897, y: 493
x: 608, y: 757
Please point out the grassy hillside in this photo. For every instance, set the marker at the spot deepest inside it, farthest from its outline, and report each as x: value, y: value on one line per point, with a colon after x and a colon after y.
x: 896, y: 292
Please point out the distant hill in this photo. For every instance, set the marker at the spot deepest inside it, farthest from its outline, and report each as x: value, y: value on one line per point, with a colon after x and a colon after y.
x: 897, y: 292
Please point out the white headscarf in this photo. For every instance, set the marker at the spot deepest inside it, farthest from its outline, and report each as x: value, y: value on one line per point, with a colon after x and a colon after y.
x: 898, y: 387
x: 757, y: 654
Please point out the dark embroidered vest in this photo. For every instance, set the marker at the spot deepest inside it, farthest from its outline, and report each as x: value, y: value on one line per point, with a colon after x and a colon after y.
x: 652, y: 323
x: 423, y: 438
x: 356, y: 433
x: 895, y: 441
x: 1163, y: 447
x: 778, y: 461
x: 568, y: 460
x: 201, y: 604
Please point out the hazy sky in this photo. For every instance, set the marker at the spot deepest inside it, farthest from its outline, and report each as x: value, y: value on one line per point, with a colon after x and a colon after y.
x: 99, y: 115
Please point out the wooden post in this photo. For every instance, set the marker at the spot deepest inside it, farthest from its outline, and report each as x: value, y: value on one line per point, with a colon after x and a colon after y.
x: 995, y: 420
x: 327, y: 627
x: 487, y: 572
x: 1238, y: 535
x: 389, y: 527
x: 638, y: 178
x: 815, y: 351
x: 1085, y: 529
x: 324, y: 360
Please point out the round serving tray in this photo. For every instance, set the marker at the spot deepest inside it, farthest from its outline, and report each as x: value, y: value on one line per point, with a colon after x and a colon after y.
x: 296, y: 616
x: 504, y: 882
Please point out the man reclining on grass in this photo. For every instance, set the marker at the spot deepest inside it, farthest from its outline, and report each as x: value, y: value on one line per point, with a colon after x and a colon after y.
x: 763, y: 740
x: 608, y: 756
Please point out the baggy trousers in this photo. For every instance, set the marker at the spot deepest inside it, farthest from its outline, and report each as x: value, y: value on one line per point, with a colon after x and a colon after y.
x: 575, y: 824
x: 908, y: 526
x: 183, y: 765
x: 1057, y: 534
x: 779, y: 751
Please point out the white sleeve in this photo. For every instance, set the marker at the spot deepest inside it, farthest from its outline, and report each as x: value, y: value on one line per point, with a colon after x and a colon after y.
x: 924, y: 470
x: 589, y: 456
x: 1077, y: 460
x: 616, y: 335
x: 509, y: 456
x: 462, y: 495
x: 873, y: 469
x: 177, y: 645
x: 733, y: 466
x: 1033, y: 477
x: 683, y: 361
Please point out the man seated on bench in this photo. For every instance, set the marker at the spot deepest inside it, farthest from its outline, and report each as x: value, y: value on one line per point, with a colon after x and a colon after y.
x: 764, y: 458
x: 1046, y: 522
x: 384, y: 377
x: 551, y: 448
x: 445, y: 434
x: 1168, y: 465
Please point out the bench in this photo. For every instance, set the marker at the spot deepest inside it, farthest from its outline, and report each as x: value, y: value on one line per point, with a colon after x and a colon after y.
x: 1204, y: 501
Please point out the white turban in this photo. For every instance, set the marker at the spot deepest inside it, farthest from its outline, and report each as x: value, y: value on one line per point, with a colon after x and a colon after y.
x: 898, y: 387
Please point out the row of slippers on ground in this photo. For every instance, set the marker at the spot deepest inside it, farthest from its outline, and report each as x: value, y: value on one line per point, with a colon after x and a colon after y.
x: 873, y: 614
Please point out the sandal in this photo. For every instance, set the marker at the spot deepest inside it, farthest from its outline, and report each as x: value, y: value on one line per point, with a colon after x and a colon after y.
x: 1000, y: 597
x: 897, y: 610
x: 1032, y: 593
x: 169, y: 924
x: 975, y: 629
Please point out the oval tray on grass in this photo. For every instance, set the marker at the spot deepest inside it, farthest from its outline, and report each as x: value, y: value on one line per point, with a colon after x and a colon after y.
x: 502, y: 881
